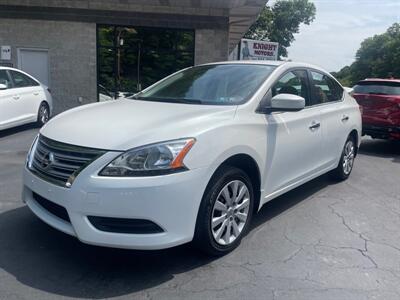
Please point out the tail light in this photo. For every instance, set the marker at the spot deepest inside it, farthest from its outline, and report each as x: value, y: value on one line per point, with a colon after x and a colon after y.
x: 49, y: 90
x: 361, y: 109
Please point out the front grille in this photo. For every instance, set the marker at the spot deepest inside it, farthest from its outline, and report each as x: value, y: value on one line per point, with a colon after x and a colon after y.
x: 121, y: 225
x: 51, y: 207
x: 59, y: 162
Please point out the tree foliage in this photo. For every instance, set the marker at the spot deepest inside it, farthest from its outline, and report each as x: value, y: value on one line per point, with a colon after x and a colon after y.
x: 378, y: 57
x: 279, y: 23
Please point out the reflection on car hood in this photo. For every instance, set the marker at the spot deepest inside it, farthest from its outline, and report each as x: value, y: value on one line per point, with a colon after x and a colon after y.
x: 125, y: 124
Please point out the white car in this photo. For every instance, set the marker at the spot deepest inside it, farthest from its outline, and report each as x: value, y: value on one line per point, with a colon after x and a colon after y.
x: 23, y: 99
x: 192, y: 157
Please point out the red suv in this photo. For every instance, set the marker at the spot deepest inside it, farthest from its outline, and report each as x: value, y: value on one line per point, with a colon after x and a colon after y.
x: 380, y: 102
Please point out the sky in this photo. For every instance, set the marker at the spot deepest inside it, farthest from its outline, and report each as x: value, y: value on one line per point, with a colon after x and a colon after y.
x: 340, y: 26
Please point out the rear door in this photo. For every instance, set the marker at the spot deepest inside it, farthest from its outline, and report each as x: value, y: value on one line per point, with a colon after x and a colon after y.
x: 295, y: 137
x: 336, y: 115
x: 28, y: 95
x: 380, y: 101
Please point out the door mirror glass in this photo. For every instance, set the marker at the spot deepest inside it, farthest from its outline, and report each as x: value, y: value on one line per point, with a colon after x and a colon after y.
x: 287, y: 102
x: 3, y: 86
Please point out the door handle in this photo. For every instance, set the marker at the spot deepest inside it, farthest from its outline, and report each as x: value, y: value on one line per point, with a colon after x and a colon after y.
x: 16, y: 97
x: 36, y: 93
x: 314, y: 125
x: 345, y: 118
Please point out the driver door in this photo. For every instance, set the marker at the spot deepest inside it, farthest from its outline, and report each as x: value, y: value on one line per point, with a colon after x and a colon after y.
x: 294, y: 138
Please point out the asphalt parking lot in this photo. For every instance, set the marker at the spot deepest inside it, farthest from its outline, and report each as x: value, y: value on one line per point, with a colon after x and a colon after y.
x: 321, y: 241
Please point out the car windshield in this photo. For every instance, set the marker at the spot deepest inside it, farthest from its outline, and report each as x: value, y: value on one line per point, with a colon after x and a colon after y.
x: 223, y: 84
x: 378, y: 88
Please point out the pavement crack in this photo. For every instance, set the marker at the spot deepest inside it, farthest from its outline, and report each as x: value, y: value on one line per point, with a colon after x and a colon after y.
x: 364, y: 252
x: 293, y: 255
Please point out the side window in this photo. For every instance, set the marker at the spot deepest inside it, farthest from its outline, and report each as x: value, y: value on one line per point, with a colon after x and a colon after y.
x: 5, y: 79
x: 295, y: 83
x: 21, y: 80
x: 324, y: 89
x: 337, y: 90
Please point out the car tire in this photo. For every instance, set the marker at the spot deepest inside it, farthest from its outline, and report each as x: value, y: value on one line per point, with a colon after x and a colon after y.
x: 234, y: 214
x: 43, y: 115
x: 346, y: 163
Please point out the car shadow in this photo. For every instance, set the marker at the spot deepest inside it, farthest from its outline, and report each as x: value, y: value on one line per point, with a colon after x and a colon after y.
x: 43, y: 258
x: 16, y: 130
x: 381, y: 148
x: 290, y: 199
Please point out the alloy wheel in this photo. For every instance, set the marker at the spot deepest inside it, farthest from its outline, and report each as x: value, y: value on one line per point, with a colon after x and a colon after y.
x: 348, y: 157
x: 43, y: 114
x: 230, y: 212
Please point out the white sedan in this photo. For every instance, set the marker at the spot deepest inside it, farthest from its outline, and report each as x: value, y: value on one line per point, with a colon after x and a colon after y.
x: 23, y: 99
x: 192, y: 157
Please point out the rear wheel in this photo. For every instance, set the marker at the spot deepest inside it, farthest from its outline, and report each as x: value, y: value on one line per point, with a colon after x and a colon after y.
x: 225, y: 212
x: 43, y: 114
x: 343, y: 170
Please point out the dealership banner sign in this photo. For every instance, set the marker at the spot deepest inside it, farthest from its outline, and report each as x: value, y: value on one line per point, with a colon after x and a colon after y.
x: 258, y: 50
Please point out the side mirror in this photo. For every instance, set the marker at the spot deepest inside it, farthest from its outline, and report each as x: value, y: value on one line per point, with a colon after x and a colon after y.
x: 287, y: 102
x: 349, y: 90
x: 3, y: 86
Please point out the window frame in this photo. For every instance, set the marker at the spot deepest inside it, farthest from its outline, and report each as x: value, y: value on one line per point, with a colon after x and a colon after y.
x: 311, y: 84
x: 10, y: 72
x: 9, y: 78
x: 291, y: 70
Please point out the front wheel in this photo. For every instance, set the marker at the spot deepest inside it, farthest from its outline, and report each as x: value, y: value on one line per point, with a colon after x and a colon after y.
x: 346, y: 163
x: 43, y: 115
x: 225, y: 212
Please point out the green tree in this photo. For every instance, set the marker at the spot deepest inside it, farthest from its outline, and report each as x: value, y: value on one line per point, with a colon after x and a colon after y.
x: 378, y: 57
x: 279, y: 23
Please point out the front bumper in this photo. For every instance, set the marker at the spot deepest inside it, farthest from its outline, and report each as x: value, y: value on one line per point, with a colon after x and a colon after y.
x: 170, y: 201
x: 382, y: 132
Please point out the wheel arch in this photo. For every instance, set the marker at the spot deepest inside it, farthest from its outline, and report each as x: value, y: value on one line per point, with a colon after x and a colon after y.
x: 354, y: 134
x: 249, y: 165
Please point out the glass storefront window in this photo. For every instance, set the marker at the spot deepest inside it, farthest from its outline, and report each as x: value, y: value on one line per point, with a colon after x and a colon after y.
x: 132, y: 58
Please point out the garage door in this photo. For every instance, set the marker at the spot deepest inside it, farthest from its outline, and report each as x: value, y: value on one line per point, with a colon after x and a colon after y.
x: 36, y: 63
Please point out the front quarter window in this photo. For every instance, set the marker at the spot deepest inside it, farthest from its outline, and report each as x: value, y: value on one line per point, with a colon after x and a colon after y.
x: 224, y: 84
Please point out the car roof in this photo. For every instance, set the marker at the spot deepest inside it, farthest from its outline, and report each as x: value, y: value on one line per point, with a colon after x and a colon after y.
x: 381, y: 80
x: 248, y: 62
x: 277, y: 63
x: 7, y: 68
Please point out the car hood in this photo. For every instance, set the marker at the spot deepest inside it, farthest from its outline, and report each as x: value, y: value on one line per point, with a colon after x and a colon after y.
x: 124, y: 124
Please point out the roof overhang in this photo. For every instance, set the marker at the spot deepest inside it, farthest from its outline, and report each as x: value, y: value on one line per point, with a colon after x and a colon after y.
x: 241, y: 17
x: 239, y: 13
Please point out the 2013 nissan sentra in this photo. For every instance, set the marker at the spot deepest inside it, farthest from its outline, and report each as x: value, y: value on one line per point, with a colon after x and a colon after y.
x: 192, y: 157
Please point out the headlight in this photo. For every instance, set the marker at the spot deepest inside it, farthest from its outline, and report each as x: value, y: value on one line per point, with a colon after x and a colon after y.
x: 150, y: 160
x: 31, y: 153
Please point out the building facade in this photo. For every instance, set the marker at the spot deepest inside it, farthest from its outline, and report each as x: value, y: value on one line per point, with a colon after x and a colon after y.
x: 94, y: 50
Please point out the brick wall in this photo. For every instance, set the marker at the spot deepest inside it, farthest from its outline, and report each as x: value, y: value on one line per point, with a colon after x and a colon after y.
x: 211, y: 45
x: 72, y: 55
